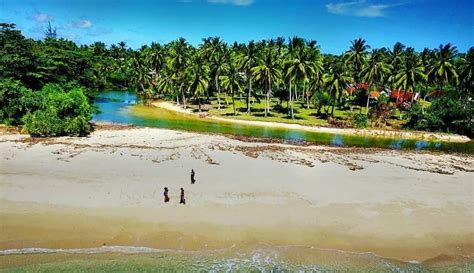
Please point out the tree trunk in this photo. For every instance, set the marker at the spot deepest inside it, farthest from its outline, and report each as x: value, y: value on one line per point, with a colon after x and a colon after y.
x: 182, y: 95
x: 248, y: 95
x: 303, y: 92
x: 289, y: 101
x: 367, y: 106
x: 233, y: 99
x: 333, y: 104
x: 199, y: 101
x: 225, y: 97
x: 218, y: 95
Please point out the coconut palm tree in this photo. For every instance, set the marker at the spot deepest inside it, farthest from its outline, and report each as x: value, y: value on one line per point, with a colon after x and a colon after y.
x: 396, y: 60
x: 179, y: 54
x: 199, y: 78
x: 442, y: 69
x: 142, y: 78
x: 355, y: 57
x: 248, y: 59
x: 268, y: 72
x: 232, y: 80
x: 337, y: 79
x: 375, y: 72
x: 466, y: 74
x: 156, y: 60
x: 315, y: 60
x: 411, y: 73
x: 215, y: 52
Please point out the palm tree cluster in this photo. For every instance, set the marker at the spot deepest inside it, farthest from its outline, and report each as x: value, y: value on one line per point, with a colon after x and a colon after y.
x: 296, y: 68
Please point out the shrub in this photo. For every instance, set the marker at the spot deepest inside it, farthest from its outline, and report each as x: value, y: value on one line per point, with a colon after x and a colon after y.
x: 380, y: 114
x: 416, y: 119
x: 446, y: 114
x: 11, y: 107
x: 360, y: 121
x: 59, y: 113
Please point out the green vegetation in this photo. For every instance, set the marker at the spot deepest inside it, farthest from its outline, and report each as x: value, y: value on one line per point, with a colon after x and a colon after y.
x: 294, y: 82
x: 270, y: 80
x: 58, y: 112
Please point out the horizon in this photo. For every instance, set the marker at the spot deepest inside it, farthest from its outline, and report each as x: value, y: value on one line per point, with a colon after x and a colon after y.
x: 431, y: 23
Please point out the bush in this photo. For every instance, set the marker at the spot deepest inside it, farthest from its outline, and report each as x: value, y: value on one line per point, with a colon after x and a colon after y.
x: 59, y: 113
x: 416, y: 119
x: 446, y: 114
x: 11, y: 107
x: 360, y: 121
x: 380, y: 114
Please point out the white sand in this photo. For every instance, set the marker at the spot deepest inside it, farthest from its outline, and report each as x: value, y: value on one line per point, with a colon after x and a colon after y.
x: 107, y: 188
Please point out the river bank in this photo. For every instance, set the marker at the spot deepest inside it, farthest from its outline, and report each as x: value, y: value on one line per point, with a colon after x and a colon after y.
x: 106, y: 190
x: 430, y: 136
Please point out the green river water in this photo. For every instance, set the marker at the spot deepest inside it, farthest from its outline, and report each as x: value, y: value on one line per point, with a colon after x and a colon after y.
x: 121, y: 107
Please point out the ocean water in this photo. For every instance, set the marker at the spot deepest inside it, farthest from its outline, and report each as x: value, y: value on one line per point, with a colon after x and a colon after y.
x: 232, y: 259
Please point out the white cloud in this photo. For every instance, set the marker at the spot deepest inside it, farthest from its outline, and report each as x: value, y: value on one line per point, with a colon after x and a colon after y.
x: 84, y: 24
x: 42, y: 17
x: 80, y: 24
x: 232, y: 2
x: 358, y: 8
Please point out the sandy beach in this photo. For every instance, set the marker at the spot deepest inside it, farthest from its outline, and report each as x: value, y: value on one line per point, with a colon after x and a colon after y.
x: 106, y: 190
x: 420, y: 135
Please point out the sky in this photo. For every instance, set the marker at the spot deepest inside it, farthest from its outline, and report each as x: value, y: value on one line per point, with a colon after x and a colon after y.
x: 333, y: 23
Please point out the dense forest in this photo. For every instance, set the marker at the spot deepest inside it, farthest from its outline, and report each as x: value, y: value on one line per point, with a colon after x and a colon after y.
x: 47, y: 85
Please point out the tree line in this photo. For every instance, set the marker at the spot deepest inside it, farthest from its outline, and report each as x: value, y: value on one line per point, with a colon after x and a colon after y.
x: 293, y: 71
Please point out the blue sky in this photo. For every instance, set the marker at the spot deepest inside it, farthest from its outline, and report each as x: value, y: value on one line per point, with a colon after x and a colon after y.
x: 333, y: 23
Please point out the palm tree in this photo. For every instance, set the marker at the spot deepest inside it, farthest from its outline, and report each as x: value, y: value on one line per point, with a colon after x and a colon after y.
x: 375, y: 72
x: 199, y: 78
x: 442, y: 69
x: 248, y: 60
x: 215, y: 51
x: 232, y: 80
x: 466, y: 73
x: 141, y: 77
x: 315, y: 61
x: 396, y: 60
x: 337, y: 79
x: 411, y: 73
x: 179, y: 51
x: 356, y: 57
x: 156, y: 59
x: 268, y: 72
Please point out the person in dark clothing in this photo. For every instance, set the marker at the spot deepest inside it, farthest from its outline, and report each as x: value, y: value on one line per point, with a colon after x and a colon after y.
x: 165, y: 193
x: 192, y: 176
x: 182, y: 200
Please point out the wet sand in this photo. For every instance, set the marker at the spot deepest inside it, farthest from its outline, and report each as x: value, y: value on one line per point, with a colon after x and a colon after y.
x: 106, y: 189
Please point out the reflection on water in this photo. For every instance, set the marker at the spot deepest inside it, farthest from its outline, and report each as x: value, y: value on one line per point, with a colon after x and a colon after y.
x: 337, y: 141
x: 120, y: 107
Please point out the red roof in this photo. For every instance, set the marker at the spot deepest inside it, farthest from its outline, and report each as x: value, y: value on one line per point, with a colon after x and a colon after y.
x: 374, y: 94
x: 363, y: 85
x: 436, y: 93
x: 401, y: 95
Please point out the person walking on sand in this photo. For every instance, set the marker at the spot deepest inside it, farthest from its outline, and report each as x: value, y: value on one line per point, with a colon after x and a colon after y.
x: 165, y: 193
x: 192, y: 176
x: 182, y: 200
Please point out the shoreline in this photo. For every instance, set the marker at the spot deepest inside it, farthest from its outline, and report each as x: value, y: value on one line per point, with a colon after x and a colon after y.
x: 106, y: 190
x: 429, y: 136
